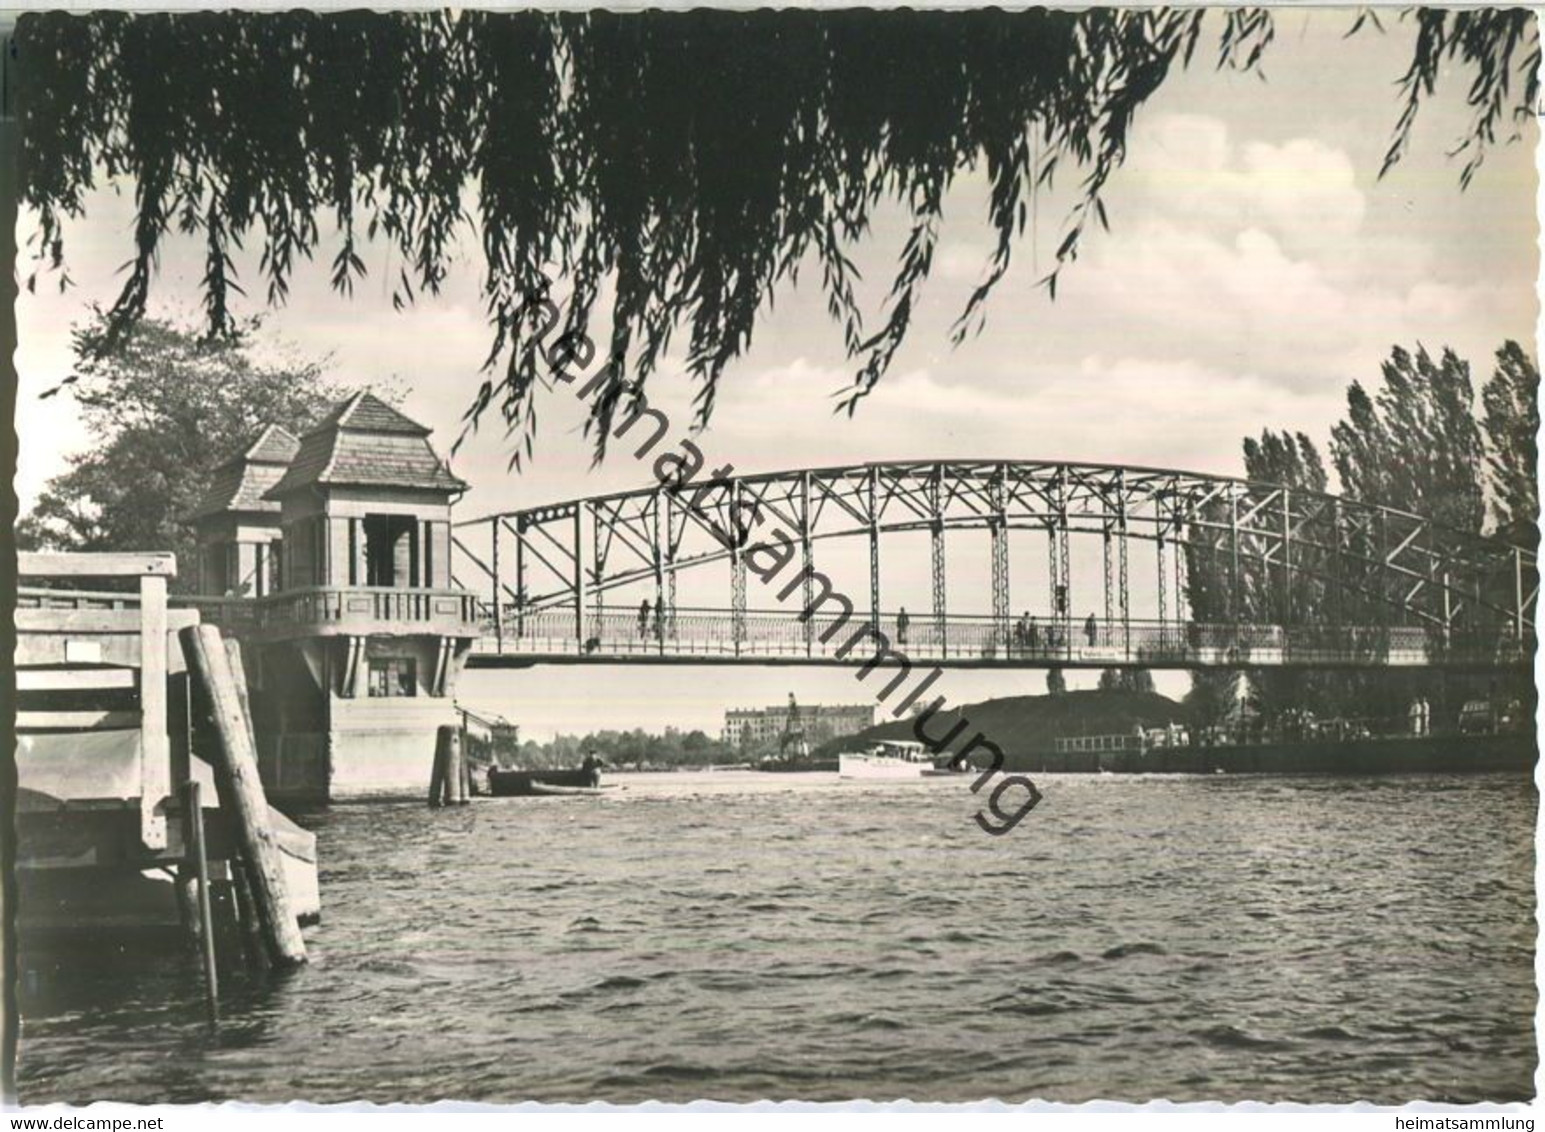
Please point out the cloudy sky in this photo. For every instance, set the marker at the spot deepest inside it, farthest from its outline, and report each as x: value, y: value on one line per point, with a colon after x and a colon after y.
x: 1255, y: 266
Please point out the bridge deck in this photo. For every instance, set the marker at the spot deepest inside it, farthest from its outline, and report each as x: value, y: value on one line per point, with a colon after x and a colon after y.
x: 718, y: 637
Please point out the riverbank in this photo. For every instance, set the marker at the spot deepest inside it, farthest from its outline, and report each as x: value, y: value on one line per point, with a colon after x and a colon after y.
x: 1028, y: 729
x: 1452, y: 754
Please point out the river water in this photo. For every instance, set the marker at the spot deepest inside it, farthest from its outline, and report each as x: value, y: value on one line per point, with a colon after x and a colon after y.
x: 742, y: 936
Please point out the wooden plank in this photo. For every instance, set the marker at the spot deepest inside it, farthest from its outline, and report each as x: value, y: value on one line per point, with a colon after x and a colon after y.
x: 57, y: 768
x: 73, y: 679
x: 83, y: 621
x: 76, y: 720
x: 33, y: 565
x: 107, y: 650
x: 155, y: 743
x: 66, y: 621
x: 47, y: 651
x: 103, y: 599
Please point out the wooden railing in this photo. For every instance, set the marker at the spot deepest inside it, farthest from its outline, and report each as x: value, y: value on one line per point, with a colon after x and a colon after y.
x: 74, y: 642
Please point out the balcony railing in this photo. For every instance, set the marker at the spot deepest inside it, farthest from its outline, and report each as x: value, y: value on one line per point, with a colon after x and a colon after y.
x: 344, y: 610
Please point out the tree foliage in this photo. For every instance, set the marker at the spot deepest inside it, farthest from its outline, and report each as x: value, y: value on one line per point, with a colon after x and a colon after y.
x: 697, y: 160
x: 163, y: 409
x: 1512, y: 403
x: 1257, y: 594
x: 1416, y: 444
x: 634, y: 747
x: 1126, y: 680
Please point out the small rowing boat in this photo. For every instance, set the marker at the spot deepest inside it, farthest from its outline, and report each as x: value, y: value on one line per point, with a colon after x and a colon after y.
x: 525, y: 783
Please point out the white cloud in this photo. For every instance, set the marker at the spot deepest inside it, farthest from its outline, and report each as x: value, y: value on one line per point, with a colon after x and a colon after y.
x: 1191, y: 291
x: 1302, y: 192
x: 1306, y: 190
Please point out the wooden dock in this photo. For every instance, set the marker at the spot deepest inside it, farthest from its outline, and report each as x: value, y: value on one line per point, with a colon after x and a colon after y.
x: 114, y: 742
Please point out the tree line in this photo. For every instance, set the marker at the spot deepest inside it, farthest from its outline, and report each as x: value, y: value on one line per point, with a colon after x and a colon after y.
x: 1416, y: 443
x: 627, y: 748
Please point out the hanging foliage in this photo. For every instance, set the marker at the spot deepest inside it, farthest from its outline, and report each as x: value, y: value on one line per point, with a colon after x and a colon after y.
x: 698, y: 159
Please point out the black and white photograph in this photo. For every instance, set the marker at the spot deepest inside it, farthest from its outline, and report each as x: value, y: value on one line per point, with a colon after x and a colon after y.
x: 943, y: 555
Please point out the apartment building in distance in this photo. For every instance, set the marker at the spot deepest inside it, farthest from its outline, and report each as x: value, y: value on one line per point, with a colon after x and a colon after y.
x: 759, y: 727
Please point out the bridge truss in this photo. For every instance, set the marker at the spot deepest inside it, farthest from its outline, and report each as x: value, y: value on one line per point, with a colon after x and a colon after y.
x: 1236, y: 572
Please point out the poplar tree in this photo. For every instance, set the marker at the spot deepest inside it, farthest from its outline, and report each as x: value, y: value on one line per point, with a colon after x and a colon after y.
x: 1416, y: 445
x: 1512, y: 418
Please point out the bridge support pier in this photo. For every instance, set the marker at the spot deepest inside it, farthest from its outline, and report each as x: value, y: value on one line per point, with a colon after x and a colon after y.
x: 874, y: 549
x: 998, y: 525
x: 1000, y: 583
x: 350, y: 717
x: 940, y: 596
x: 581, y: 619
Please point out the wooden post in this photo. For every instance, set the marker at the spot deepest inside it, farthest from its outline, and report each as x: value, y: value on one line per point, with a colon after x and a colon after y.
x: 455, y: 766
x: 237, y: 759
x: 241, y: 884
x: 466, y: 760
x: 187, y: 900
x: 193, y: 819
x: 247, y: 913
x: 239, y: 677
x: 437, y: 785
x: 155, y: 744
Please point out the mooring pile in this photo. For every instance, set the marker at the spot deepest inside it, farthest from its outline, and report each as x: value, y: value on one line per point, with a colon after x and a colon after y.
x: 270, y: 932
x: 450, y: 782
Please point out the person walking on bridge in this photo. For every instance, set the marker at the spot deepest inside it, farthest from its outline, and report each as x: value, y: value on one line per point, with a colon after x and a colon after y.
x: 643, y: 620
x: 1091, y: 630
x: 902, y: 621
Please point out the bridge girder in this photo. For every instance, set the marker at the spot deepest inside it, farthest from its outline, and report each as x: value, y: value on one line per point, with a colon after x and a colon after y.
x: 1295, y: 554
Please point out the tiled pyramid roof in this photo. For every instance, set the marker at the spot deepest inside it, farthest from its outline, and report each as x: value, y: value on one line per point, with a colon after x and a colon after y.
x: 274, y: 445
x: 365, y: 412
x: 364, y: 442
x: 241, y: 482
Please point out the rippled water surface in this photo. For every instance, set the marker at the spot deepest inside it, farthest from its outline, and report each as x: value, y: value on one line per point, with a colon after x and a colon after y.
x: 740, y: 936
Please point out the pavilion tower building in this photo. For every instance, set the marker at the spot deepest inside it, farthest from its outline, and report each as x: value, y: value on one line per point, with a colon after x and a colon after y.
x: 333, y: 554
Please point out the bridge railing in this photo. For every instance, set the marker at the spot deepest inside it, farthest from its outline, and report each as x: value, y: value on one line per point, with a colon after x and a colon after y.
x: 622, y: 633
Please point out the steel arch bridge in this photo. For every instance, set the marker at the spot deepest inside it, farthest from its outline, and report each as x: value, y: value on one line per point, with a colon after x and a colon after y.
x: 1180, y: 570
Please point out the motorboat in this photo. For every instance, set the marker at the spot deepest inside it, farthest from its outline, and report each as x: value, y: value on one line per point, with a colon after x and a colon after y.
x: 886, y: 759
